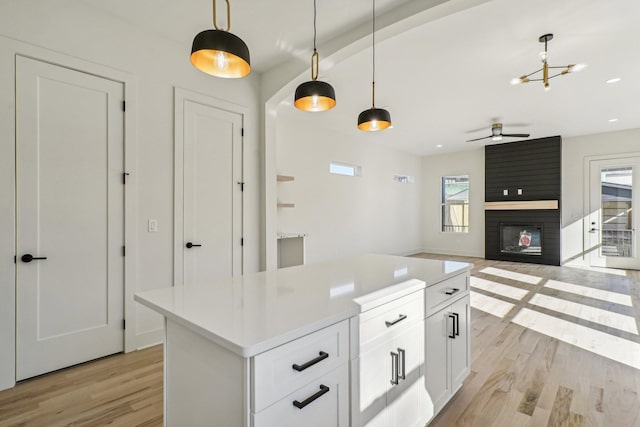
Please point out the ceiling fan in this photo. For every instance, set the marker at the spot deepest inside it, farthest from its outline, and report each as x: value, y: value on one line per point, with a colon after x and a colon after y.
x: 496, y: 134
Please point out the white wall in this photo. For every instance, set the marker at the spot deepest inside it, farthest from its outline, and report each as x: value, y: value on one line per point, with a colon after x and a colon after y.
x: 345, y: 215
x: 575, y: 152
x: 82, y: 34
x: 433, y: 169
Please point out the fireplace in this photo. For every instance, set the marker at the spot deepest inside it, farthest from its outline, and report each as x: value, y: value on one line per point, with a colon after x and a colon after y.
x: 523, y: 235
x: 521, y: 239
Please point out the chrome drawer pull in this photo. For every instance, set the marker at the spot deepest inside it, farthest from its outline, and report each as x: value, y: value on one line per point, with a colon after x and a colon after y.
x: 453, y: 291
x: 393, y: 322
x: 403, y: 361
x: 323, y: 390
x: 310, y: 363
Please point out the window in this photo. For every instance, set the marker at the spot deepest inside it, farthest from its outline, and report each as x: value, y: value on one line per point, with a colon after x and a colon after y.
x: 455, y: 204
x: 344, y: 169
x: 403, y: 179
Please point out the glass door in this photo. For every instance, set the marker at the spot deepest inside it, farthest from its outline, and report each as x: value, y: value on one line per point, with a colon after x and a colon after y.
x: 612, y: 218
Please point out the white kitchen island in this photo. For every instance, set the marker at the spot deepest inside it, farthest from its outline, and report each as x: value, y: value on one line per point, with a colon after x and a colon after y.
x: 372, y: 340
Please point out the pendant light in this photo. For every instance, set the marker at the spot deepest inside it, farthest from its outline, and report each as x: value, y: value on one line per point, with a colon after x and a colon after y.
x: 374, y: 119
x: 315, y: 95
x: 220, y: 53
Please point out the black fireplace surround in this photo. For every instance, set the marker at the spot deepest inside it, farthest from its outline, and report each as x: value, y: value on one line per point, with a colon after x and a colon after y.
x: 523, y: 171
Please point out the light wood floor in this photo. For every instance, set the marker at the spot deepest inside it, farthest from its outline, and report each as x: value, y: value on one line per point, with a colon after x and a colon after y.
x: 519, y: 377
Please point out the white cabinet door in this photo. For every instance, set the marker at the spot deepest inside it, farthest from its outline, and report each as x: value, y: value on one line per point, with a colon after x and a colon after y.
x: 372, y: 377
x: 460, y: 345
x: 447, y: 357
x: 438, y: 327
x: 406, y: 401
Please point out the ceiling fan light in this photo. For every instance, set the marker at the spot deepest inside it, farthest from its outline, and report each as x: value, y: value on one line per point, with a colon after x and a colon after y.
x: 220, y: 53
x: 374, y: 119
x: 315, y: 95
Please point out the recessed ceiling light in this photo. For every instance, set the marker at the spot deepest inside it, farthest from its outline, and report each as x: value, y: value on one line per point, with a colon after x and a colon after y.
x: 614, y: 80
x: 613, y: 120
x: 439, y: 146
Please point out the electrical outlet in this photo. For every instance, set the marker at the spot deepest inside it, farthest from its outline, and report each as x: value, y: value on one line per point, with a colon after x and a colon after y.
x: 505, y: 192
x: 152, y: 225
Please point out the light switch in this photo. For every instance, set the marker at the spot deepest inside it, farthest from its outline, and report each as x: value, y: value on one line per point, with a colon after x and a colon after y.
x: 519, y: 191
x: 505, y: 192
x: 152, y: 225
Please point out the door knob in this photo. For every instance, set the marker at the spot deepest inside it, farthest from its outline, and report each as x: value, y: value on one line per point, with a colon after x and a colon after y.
x: 191, y: 245
x: 29, y: 257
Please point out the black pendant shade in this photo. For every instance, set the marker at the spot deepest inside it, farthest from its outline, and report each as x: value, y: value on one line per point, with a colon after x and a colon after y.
x: 315, y: 95
x: 221, y: 54
x: 374, y: 119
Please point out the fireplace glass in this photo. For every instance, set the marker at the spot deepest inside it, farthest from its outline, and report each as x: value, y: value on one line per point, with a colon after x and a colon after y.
x: 521, y: 239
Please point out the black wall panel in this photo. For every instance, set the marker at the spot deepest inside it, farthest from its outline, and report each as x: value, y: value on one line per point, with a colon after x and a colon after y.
x: 533, y: 166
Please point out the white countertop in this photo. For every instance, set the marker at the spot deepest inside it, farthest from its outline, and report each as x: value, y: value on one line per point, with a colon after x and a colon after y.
x: 253, y: 313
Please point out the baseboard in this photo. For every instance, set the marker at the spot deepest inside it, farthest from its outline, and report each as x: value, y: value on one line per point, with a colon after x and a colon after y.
x: 7, y: 385
x: 407, y: 253
x: 149, y: 338
x: 454, y: 252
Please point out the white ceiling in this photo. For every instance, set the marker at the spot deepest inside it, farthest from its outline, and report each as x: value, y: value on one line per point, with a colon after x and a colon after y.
x: 446, y: 78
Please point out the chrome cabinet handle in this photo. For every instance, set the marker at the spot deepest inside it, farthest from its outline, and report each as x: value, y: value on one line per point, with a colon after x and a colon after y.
x: 311, y: 362
x: 403, y: 361
x: 323, y: 390
x: 394, y: 368
x: 452, y: 291
x: 393, y: 322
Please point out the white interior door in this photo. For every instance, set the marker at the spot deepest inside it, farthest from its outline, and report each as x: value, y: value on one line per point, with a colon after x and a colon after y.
x: 612, y: 218
x: 211, y: 230
x: 70, y: 210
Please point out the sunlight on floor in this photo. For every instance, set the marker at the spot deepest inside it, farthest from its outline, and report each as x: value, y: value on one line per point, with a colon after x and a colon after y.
x: 586, y: 312
x: 614, y: 271
x: 601, y: 343
x: 526, y: 278
x: 493, y: 306
x: 586, y: 291
x: 498, y: 288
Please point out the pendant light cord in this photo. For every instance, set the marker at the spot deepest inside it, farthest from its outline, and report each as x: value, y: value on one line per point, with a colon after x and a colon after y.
x: 314, y: 25
x: 373, y: 74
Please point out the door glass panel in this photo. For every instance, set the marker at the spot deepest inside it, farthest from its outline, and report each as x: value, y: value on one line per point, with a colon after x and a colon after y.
x: 616, y: 206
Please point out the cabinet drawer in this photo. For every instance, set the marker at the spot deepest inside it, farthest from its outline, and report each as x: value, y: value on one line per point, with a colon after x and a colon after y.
x: 379, y: 323
x: 325, y: 403
x: 446, y: 291
x: 278, y: 372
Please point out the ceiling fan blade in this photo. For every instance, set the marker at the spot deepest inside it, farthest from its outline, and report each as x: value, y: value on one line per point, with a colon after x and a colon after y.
x: 516, y: 135
x: 478, y: 139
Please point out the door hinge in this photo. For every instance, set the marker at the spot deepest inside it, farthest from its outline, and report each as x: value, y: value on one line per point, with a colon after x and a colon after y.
x: 124, y: 105
x: 242, y: 241
x: 124, y: 324
x: 242, y: 132
x: 124, y: 177
x: 124, y: 251
x: 241, y: 183
x: 15, y: 259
